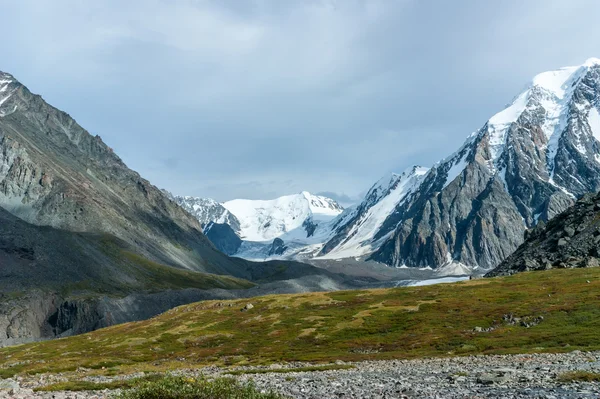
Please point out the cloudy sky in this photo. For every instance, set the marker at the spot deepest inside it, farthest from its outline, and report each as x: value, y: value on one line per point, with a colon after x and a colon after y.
x: 260, y: 98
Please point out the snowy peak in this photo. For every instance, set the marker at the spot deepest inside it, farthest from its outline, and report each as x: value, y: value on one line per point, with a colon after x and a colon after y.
x: 539, y: 121
x: 265, y: 220
x: 552, y: 92
x: 207, y: 210
x: 8, y: 86
x: 391, y: 181
x: 320, y: 205
x: 591, y: 62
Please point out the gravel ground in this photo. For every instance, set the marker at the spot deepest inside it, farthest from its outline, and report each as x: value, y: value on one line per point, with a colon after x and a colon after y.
x: 508, y: 376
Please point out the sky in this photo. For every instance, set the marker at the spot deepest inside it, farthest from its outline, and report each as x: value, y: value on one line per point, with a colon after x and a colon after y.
x: 261, y: 98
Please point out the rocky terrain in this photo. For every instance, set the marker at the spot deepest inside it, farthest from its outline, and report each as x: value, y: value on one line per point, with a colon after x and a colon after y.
x: 506, y: 376
x: 571, y: 239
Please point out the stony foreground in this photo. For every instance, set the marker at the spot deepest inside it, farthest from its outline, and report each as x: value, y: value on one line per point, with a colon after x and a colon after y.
x: 507, y: 376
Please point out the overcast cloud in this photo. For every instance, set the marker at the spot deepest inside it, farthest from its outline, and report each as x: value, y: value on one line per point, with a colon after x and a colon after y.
x: 260, y: 98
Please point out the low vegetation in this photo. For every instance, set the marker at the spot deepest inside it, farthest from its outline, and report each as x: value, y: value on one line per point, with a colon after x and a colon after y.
x: 580, y: 376
x: 440, y: 320
x: 171, y: 387
x: 83, y: 385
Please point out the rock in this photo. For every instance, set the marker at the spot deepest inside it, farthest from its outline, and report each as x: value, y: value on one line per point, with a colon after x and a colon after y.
x: 247, y: 307
x: 278, y: 247
x: 9, y: 385
x: 223, y: 237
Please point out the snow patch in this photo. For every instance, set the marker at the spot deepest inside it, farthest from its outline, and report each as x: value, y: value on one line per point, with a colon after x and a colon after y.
x: 433, y: 281
x: 5, y: 92
x: 459, y: 165
x: 556, y: 82
x: 594, y: 121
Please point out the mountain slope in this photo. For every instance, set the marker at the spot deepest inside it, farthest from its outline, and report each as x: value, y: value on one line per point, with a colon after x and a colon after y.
x: 54, y: 173
x: 79, y: 230
x: 357, y: 233
x: 571, y: 239
x: 527, y: 163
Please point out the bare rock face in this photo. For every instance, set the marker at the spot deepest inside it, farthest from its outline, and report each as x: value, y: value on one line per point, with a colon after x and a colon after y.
x: 527, y: 164
x: 277, y: 247
x: 223, y: 237
x: 571, y: 239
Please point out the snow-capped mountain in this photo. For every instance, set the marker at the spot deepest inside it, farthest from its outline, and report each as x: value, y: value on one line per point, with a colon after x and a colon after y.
x: 265, y: 220
x: 527, y: 163
x: 207, y: 210
x: 261, y: 229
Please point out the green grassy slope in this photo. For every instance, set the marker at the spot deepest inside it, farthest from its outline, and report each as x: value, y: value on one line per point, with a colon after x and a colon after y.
x: 408, y: 322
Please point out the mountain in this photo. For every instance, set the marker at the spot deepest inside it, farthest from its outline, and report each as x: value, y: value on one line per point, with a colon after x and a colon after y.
x: 571, y: 239
x: 265, y: 220
x: 87, y: 242
x: 528, y: 163
x: 207, y: 210
x: 54, y: 173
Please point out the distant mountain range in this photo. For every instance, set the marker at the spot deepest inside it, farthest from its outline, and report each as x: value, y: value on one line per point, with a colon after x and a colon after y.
x: 528, y: 163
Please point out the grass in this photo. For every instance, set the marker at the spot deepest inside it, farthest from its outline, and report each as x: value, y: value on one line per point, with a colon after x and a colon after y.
x: 294, y: 369
x: 579, y: 376
x: 398, y: 323
x: 189, y: 388
x: 83, y: 385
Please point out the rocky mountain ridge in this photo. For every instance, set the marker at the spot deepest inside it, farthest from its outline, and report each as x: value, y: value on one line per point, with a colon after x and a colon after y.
x: 571, y: 239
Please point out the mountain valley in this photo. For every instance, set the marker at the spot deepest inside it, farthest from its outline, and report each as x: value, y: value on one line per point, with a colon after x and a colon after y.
x: 93, y: 253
